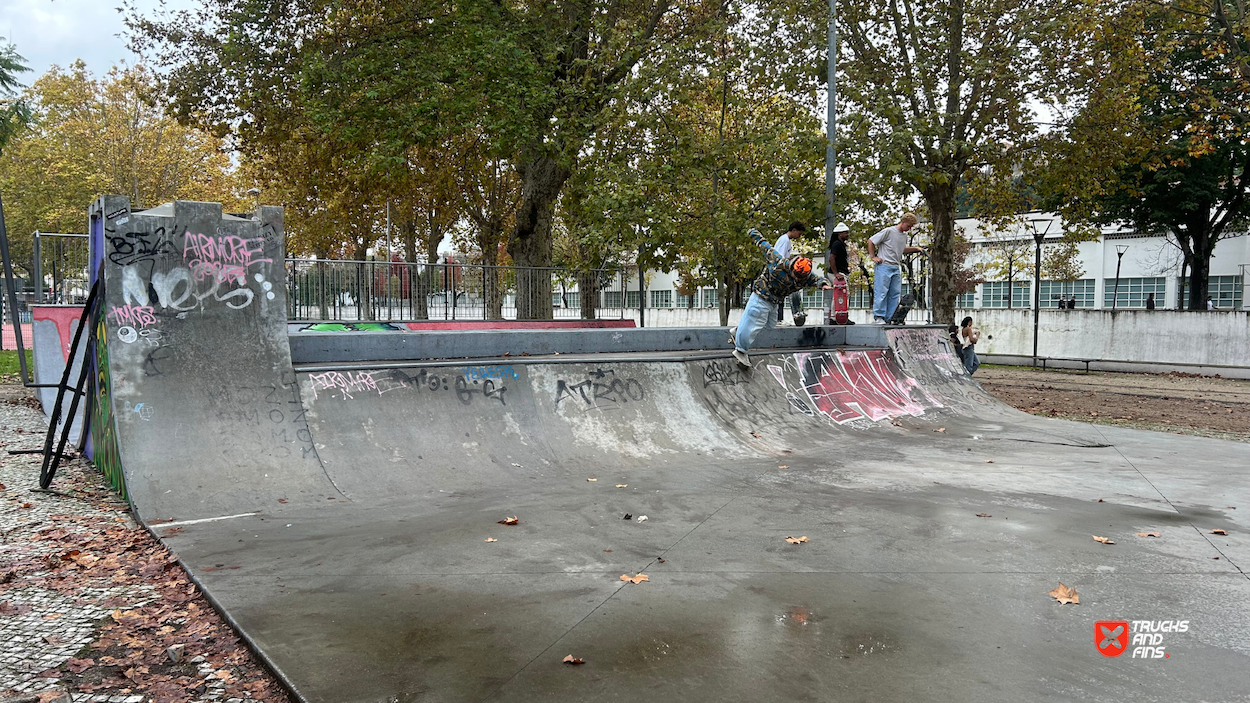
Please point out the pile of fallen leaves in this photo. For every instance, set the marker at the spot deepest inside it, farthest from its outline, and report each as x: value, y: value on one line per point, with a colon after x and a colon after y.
x: 162, y: 640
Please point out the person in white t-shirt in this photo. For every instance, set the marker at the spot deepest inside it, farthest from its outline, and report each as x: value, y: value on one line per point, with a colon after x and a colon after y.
x: 968, y: 338
x: 784, y: 247
x: 887, y: 249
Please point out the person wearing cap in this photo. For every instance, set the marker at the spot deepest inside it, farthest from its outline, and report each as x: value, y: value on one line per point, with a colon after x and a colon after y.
x: 887, y: 249
x: 839, y: 256
x: 784, y: 248
x: 780, y: 278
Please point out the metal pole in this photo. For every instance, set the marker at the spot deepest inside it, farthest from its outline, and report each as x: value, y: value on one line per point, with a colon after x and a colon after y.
x: 37, y: 265
x: 831, y: 133
x: 1115, y: 294
x: 642, y: 296
x: 1037, y: 294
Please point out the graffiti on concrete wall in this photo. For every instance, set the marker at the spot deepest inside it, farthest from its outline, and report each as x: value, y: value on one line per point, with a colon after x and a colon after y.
x: 348, y: 385
x: 860, y: 384
x: 105, y: 452
x: 599, y: 389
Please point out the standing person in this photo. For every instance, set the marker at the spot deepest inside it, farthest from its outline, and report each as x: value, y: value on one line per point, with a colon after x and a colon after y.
x: 1150, y: 302
x: 784, y: 248
x: 1072, y: 303
x: 887, y: 248
x: 1210, y: 303
x: 840, y: 257
x: 780, y: 278
x: 968, y: 338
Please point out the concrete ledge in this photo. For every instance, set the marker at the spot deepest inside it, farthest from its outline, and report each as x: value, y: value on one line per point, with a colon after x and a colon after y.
x: 1121, y: 366
x: 341, y: 347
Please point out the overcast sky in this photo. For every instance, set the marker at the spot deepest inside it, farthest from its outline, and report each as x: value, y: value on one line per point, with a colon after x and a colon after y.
x: 48, y: 32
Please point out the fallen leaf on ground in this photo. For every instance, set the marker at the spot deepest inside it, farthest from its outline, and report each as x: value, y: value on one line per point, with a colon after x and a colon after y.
x: 1065, y: 595
x: 28, y: 505
x: 1104, y: 540
x: 1218, y: 531
x: 797, y: 540
x: 282, y: 500
x: 491, y: 539
x: 508, y: 520
x: 79, y: 665
x: 984, y: 515
x: 783, y: 467
x: 940, y: 429
x: 1148, y: 534
x: 622, y: 485
x: 570, y: 660
x: 635, y: 579
x: 989, y: 461
x: 755, y: 435
x: 642, y: 518
x: 628, y: 516
x: 592, y: 479
x: 1100, y: 500
x: 661, y: 560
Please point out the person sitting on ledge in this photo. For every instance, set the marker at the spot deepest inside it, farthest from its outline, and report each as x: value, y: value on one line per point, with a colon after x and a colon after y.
x: 780, y: 278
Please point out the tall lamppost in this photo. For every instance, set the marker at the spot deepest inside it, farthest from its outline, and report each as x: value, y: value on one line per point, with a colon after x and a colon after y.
x: 1038, y: 236
x: 831, y: 133
x: 1119, y: 258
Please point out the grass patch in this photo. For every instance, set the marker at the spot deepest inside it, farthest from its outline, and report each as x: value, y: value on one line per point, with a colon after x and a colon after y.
x: 9, y: 366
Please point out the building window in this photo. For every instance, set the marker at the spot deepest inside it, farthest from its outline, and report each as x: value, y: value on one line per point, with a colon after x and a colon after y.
x: 861, y: 297
x: 661, y: 298
x: 1133, y: 292
x: 967, y: 300
x: 683, y: 301
x: 631, y: 299
x: 612, y: 299
x: 813, y: 298
x: 566, y: 300
x: 1055, y: 291
x: 994, y: 294
x: 711, y: 297
x: 1225, y: 291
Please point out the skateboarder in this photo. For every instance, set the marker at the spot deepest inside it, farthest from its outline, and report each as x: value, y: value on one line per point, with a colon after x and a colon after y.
x: 968, y: 338
x: 784, y: 247
x: 780, y: 278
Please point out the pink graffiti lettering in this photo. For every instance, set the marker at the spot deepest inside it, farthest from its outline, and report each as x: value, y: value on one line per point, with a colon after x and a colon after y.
x: 137, y: 316
x: 224, y: 258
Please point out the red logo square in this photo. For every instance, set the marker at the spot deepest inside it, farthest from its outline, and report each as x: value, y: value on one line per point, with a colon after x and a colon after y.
x: 1111, y: 637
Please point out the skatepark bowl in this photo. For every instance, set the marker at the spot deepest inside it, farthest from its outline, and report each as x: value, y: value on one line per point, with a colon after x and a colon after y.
x: 338, y: 496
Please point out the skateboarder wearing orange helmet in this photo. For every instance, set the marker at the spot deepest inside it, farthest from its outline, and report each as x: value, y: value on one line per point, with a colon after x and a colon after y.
x: 780, y: 278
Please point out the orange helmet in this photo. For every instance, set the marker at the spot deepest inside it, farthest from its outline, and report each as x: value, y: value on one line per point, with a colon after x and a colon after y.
x: 802, y: 266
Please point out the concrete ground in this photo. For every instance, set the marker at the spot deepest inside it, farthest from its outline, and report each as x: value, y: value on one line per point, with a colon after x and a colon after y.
x: 932, y: 544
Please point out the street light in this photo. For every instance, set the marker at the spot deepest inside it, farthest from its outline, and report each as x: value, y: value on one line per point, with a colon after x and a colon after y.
x: 1119, y: 257
x: 1038, y: 236
x: 255, y: 193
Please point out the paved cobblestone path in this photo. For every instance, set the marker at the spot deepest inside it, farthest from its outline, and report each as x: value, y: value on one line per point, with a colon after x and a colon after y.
x: 90, y: 603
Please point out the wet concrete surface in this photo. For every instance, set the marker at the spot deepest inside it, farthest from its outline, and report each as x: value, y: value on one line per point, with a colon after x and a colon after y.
x: 902, y: 593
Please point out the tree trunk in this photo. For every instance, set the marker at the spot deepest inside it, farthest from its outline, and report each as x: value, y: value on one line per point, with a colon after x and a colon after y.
x: 414, y: 281
x: 941, y: 201
x: 722, y: 297
x: 492, y: 293
x: 588, y: 285
x: 433, y: 273
x: 541, y: 180
x: 1200, y: 268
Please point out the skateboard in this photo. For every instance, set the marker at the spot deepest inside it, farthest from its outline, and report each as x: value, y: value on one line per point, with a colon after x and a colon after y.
x: 841, y: 302
x: 904, y: 307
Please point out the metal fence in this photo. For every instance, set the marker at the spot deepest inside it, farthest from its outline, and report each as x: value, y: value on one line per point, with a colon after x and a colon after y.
x: 376, y: 290
x: 65, y: 259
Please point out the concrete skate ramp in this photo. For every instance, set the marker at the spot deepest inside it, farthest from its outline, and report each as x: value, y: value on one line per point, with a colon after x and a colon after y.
x: 358, y: 563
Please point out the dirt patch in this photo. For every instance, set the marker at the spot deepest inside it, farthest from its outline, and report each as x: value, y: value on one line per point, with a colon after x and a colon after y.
x: 1184, y: 403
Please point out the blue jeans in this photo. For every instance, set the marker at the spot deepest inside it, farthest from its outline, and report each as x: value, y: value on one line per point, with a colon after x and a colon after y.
x: 758, y: 315
x: 887, y: 286
x: 971, y: 362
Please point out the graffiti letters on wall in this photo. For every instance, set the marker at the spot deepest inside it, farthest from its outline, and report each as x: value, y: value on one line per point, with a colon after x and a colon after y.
x: 859, y: 384
x: 159, y: 276
x: 464, y: 386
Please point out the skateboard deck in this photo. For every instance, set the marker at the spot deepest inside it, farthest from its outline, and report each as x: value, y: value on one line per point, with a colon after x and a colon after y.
x: 841, y: 302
